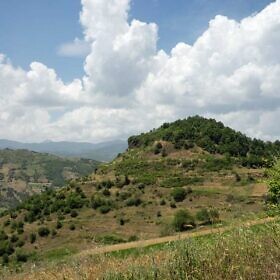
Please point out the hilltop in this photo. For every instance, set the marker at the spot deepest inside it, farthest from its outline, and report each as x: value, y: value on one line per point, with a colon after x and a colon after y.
x: 23, y: 173
x: 184, y: 175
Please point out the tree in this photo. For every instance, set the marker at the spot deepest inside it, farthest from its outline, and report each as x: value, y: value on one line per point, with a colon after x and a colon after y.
x: 274, y: 183
x: 183, y: 220
x: 179, y: 194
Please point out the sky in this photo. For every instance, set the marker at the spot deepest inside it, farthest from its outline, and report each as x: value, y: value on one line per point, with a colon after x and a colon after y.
x: 95, y: 70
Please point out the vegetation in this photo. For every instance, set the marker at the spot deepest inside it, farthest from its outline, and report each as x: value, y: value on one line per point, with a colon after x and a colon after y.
x: 213, y: 137
x: 24, y: 173
x: 156, y: 188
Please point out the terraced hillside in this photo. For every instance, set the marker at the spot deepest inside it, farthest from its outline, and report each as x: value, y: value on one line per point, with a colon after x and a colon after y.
x: 169, y: 180
x: 23, y: 173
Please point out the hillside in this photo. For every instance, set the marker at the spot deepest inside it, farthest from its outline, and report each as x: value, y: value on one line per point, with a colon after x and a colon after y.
x: 169, y: 180
x: 23, y: 173
x: 105, y: 151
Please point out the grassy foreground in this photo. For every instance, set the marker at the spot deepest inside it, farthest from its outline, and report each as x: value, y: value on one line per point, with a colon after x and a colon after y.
x: 243, y: 253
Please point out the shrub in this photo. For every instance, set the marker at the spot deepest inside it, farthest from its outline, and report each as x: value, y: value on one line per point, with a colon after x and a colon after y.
x: 54, y: 232
x: 162, y: 202
x: 104, y: 209
x: 3, y: 235
x: 20, y: 243
x: 133, y: 238
x: 21, y: 257
x: 59, y: 225
x: 208, y: 216
x: 106, y: 192
x: 72, y: 227
x: 32, y: 237
x: 179, y: 194
x: 14, y: 238
x: 43, y: 231
x: 173, y: 205
x: 133, y: 202
x: 5, y: 259
x: 183, y: 220
x: 74, y: 214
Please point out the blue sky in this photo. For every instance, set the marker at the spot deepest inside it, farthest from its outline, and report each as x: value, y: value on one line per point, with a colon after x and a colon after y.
x: 33, y: 30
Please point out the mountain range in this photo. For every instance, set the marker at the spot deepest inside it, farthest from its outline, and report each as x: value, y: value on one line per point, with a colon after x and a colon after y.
x: 105, y: 151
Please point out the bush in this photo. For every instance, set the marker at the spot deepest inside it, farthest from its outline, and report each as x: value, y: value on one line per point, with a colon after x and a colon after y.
x: 106, y: 192
x: 14, y: 238
x: 133, y: 202
x: 32, y: 237
x: 72, y: 227
x: 179, y: 194
x: 59, y: 225
x: 183, y: 220
x: 43, y: 231
x: 21, y: 257
x: 104, y: 209
x: 5, y: 259
x: 208, y: 216
x: 74, y: 214
x: 20, y: 243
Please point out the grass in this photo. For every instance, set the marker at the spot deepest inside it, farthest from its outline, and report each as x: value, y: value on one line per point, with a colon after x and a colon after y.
x: 242, y: 253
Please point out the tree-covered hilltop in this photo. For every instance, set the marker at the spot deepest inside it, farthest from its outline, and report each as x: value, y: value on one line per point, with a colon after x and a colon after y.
x: 211, y: 136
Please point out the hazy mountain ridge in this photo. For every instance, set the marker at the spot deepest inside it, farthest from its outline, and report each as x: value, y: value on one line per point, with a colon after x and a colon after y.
x: 105, y: 151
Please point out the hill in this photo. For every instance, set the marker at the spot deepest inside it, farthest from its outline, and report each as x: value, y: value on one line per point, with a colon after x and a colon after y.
x: 105, y: 151
x: 23, y: 173
x: 169, y: 180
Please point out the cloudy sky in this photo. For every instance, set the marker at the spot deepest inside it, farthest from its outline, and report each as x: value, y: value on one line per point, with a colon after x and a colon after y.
x: 96, y: 70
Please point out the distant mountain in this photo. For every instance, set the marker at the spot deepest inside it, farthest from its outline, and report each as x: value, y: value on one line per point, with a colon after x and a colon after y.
x: 105, y: 151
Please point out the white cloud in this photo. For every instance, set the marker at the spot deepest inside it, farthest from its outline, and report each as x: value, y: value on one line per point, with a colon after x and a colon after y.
x: 77, y: 48
x: 231, y: 73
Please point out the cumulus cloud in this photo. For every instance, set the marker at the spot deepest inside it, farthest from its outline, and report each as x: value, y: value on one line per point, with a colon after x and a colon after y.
x: 231, y: 73
x: 77, y: 48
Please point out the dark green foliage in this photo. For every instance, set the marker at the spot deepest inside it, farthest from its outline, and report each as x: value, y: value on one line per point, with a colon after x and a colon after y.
x: 19, y: 243
x: 183, y: 220
x: 106, y: 192
x: 158, y: 148
x: 5, y: 259
x: 206, y: 216
x: 274, y: 183
x: 104, y: 209
x: 212, y: 136
x: 43, y: 231
x: 21, y: 257
x: 32, y: 237
x: 14, y: 238
x: 74, y: 214
x: 133, y: 202
x: 6, y: 247
x: 179, y: 194
x: 3, y: 235
x: 59, y: 225
x: 72, y: 227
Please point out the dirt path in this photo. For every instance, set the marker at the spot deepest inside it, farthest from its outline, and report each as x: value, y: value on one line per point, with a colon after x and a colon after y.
x: 160, y: 240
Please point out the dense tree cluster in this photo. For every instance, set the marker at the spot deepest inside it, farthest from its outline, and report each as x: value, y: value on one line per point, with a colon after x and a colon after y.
x: 213, y: 137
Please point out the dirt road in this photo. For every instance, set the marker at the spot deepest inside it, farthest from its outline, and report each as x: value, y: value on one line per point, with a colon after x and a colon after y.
x: 160, y: 240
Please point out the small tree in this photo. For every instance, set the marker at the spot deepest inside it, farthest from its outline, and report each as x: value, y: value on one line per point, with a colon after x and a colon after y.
x: 274, y: 183
x: 32, y: 237
x: 183, y: 220
x: 179, y: 194
x: 43, y: 231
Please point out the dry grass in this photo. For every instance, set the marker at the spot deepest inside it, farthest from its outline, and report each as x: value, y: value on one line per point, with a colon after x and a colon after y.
x: 244, y: 253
